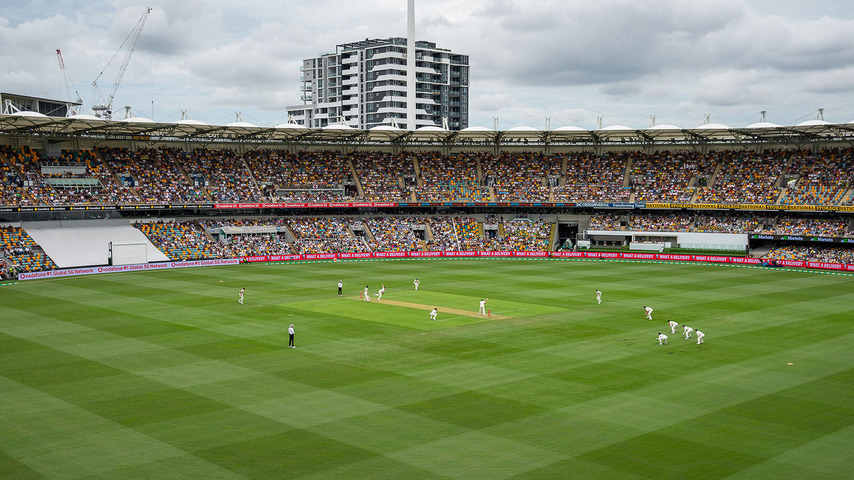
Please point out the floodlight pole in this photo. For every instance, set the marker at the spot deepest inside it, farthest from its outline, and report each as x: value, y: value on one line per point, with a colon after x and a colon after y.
x: 410, y: 66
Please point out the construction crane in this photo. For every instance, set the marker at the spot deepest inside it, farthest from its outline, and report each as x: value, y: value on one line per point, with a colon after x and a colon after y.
x: 104, y: 109
x: 69, y: 84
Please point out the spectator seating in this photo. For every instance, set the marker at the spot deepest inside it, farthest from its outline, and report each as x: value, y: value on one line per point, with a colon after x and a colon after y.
x: 22, y: 252
x: 594, y: 178
x: 383, y: 176
x: 450, y: 178
x: 170, y: 175
x: 521, y: 177
x: 326, y: 235
x: 392, y: 234
x: 522, y: 235
x: 828, y: 254
x: 745, y: 178
x: 180, y: 240
x: 819, y: 179
x: 668, y: 176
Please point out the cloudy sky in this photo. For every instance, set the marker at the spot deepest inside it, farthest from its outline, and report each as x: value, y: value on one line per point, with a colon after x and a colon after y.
x: 570, y: 60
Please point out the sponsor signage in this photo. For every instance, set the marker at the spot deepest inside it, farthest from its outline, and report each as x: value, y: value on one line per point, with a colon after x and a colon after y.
x: 610, y: 205
x: 71, y: 272
x: 281, y: 205
x: 727, y: 206
x: 442, y: 254
x: 801, y: 238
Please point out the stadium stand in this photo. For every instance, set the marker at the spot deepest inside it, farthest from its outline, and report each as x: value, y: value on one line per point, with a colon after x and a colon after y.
x: 668, y: 176
x: 327, y: 235
x: 131, y: 176
x: 522, y: 177
x: 383, y: 176
x: 449, y: 178
x: 521, y: 235
x: 21, y: 252
x: 745, y: 178
x: 819, y: 179
x: 156, y: 175
x: 392, y: 234
x: 171, y: 175
x: 825, y: 254
x: 594, y: 178
x: 180, y: 240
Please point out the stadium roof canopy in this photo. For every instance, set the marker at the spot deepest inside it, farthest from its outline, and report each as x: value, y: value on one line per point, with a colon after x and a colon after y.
x: 37, y: 125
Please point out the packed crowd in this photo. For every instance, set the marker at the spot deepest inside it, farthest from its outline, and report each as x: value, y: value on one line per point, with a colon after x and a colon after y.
x: 725, y: 223
x: 668, y: 176
x: 521, y: 177
x: 227, y: 174
x: 181, y: 240
x: 157, y: 175
x: 392, y: 234
x: 823, y: 227
x: 676, y: 222
x: 383, y: 176
x: 730, y: 223
x: 326, y: 235
x: 590, y: 178
x: 522, y: 235
x: 172, y: 175
x: 248, y: 244
x: 451, y: 178
x: 745, y: 178
x: 811, y: 254
x: 605, y: 221
x: 819, y: 179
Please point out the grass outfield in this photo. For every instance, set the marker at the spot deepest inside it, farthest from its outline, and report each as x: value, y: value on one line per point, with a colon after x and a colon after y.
x: 160, y: 375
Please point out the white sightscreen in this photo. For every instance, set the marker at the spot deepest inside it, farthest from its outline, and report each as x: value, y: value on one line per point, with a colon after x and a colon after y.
x: 128, y: 253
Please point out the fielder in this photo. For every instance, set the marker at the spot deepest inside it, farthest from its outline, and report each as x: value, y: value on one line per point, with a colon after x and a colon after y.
x: 598, y: 297
x: 379, y: 294
x: 416, y: 283
x: 482, y: 309
x: 648, y: 311
x: 673, y: 326
x: 365, y: 295
x: 687, y: 331
x: 240, y: 295
x: 701, y: 337
x: 340, y: 288
x: 433, y: 313
x: 662, y: 339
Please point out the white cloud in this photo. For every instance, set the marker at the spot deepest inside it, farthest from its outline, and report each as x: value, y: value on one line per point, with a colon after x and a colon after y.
x: 570, y: 60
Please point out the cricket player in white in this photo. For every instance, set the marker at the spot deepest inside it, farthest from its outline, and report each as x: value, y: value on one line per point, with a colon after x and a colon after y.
x: 673, y: 326
x: 648, y: 311
x: 416, y: 283
x: 482, y: 309
x: 701, y: 337
x: 379, y: 294
x: 598, y: 297
x: 662, y: 339
x: 240, y: 300
x: 433, y: 313
x: 687, y: 331
x: 365, y: 295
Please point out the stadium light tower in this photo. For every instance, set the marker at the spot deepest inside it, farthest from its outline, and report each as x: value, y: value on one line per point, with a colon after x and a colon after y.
x: 410, y: 66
